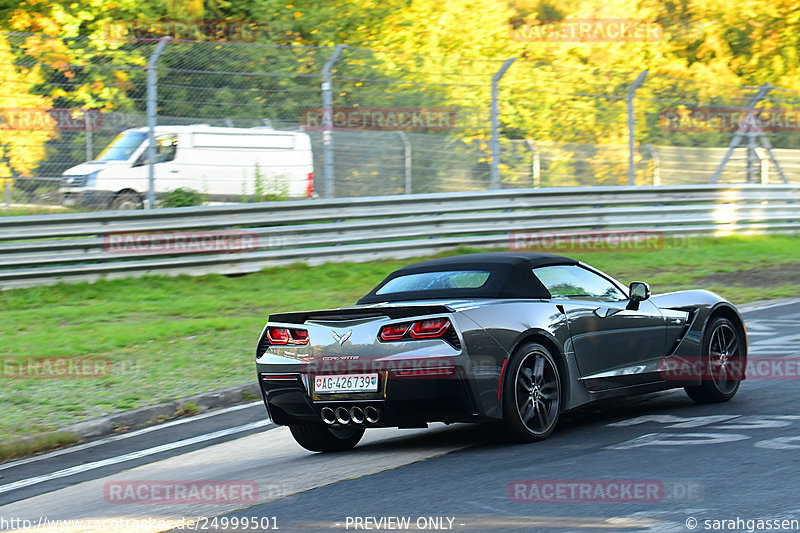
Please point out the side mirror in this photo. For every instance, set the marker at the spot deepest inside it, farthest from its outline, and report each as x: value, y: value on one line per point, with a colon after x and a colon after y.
x: 639, y: 291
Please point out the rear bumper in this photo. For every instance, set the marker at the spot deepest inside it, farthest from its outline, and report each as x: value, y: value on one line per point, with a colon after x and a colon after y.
x: 401, y: 401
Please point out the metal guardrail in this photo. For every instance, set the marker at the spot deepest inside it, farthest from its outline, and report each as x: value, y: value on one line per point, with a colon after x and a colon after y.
x: 74, y: 247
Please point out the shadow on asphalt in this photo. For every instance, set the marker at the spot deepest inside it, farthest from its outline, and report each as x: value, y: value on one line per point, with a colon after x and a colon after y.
x: 674, y: 402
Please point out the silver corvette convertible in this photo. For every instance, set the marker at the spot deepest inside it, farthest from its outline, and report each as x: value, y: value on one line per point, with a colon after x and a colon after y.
x: 511, y: 338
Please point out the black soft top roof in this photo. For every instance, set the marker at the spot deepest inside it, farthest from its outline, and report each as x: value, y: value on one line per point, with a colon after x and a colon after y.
x: 510, y: 276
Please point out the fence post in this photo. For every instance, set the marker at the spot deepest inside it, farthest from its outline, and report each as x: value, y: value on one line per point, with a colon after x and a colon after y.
x: 88, y: 129
x: 536, y: 165
x: 762, y: 156
x: 656, y: 164
x: 751, y: 155
x: 152, y: 100
x: 8, y: 193
x: 327, y: 118
x: 495, y: 183
x: 631, y: 125
x: 751, y: 127
x: 406, y: 160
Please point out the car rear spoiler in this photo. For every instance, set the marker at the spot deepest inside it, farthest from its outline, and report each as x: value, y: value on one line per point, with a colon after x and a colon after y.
x: 356, y: 313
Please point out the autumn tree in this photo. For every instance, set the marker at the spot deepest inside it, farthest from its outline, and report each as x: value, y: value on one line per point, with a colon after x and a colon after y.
x: 25, y: 123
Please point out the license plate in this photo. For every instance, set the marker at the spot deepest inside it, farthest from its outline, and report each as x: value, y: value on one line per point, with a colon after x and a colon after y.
x: 346, y: 383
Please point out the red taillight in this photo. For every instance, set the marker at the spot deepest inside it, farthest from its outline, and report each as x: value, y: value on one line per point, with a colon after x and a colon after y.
x: 278, y: 335
x: 394, y: 332
x: 429, y: 329
x: 299, y: 336
x: 287, y: 336
x: 424, y: 329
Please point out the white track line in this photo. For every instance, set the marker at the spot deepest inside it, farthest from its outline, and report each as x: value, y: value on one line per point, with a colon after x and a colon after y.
x: 129, y: 456
x: 121, y: 436
x: 745, y: 308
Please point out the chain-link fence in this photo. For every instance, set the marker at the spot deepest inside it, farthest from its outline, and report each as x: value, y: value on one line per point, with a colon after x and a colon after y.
x: 247, y: 121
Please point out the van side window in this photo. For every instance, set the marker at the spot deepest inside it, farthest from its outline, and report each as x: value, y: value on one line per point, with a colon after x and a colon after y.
x: 166, y: 147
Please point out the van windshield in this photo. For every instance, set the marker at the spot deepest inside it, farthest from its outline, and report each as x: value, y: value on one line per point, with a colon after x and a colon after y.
x: 122, y: 147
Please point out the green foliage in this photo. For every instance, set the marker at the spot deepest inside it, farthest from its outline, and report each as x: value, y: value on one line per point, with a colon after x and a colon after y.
x: 269, y: 189
x: 183, y: 197
x: 259, y: 185
x: 428, y: 53
x: 188, y: 409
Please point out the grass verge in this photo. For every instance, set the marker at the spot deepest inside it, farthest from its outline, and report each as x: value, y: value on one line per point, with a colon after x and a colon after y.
x: 35, y: 444
x: 166, y: 338
x: 15, y: 211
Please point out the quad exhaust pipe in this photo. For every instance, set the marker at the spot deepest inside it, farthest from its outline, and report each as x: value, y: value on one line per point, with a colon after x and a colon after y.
x: 372, y: 415
x: 342, y: 415
x: 328, y: 416
x: 356, y: 415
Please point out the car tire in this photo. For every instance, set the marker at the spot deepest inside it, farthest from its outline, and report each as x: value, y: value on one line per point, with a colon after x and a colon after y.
x: 127, y: 201
x: 721, y: 356
x: 323, y: 438
x: 531, y: 394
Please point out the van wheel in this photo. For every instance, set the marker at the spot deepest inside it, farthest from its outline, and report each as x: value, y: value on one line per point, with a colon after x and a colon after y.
x: 126, y: 201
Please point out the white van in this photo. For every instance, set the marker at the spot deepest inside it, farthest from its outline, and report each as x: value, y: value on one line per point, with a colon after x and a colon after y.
x: 225, y: 164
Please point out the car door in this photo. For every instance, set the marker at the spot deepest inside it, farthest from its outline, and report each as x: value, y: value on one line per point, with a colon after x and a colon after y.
x: 612, y: 340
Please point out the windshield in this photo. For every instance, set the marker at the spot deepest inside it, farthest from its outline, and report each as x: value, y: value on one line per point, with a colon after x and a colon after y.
x: 122, y: 147
x: 432, y: 281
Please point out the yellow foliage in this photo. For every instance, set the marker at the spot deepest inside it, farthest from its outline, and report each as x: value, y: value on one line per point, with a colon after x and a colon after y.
x: 22, y: 146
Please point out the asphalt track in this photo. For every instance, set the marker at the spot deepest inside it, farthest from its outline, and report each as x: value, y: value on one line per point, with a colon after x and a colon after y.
x: 717, y: 467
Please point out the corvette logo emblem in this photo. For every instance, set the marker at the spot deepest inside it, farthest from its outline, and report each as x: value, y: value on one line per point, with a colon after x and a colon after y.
x: 341, y: 338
